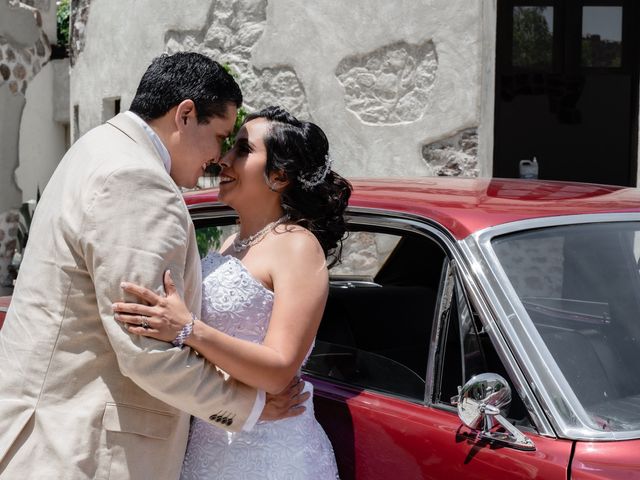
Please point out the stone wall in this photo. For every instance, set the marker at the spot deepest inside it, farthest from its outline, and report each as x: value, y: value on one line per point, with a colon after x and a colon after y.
x: 8, y: 243
x: 26, y: 29
x: 454, y: 156
x: 77, y: 27
x: 393, y: 84
x: 24, y: 48
x: 228, y: 34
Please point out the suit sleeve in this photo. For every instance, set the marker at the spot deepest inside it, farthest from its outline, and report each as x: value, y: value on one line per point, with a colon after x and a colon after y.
x: 135, y: 228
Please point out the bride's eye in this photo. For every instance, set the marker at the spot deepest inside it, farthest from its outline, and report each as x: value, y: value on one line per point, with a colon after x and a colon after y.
x: 243, y: 147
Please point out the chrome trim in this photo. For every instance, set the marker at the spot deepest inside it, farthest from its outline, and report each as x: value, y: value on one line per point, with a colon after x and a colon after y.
x: 4, y: 309
x: 557, y: 399
x: 445, y: 294
x: 416, y: 224
x: 488, y: 316
x: 374, y: 217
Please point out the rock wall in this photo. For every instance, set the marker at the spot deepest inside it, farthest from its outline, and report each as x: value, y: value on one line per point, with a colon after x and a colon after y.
x: 20, y: 64
x: 391, y: 84
x: 383, y: 79
x: 454, y: 156
x: 8, y: 242
x: 77, y: 27
x: 229, y: 33
x: 24, y: 50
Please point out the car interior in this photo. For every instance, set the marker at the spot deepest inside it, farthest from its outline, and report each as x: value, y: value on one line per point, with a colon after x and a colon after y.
x: 376, y: 333
x: 592, y: 331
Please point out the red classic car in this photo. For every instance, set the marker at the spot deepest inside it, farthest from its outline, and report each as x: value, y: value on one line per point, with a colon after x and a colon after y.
x: 478, y: 329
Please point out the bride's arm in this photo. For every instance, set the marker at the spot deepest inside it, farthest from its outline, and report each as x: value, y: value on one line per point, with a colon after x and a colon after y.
x: 300, y: 283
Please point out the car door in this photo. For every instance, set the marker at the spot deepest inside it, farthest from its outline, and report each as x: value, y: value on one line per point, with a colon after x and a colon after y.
x: 398, y: 337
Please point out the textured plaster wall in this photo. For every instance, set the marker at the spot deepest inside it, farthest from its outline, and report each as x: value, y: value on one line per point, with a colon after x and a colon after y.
x: 119, y: 38
x: 42, y: 139
x: 389, y: 82
x: 26, y: 119
x: 24, y: 48
x: 383, y: 78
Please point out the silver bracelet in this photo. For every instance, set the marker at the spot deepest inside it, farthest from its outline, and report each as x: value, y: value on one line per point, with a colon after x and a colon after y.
x: 184, y: 333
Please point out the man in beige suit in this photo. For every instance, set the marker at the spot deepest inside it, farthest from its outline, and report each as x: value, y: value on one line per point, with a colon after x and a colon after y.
x: 79, y: 396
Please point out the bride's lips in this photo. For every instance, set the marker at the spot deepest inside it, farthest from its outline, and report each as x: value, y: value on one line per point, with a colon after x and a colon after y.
x: 225, y: 179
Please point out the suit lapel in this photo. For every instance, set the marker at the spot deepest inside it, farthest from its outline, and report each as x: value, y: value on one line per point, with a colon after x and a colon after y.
x: 132, y: 130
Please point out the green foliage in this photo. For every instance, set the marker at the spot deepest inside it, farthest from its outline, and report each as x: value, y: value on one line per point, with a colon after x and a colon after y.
x: 242, y: 114
x: 208, y: 239
x: 62, y: 16
x: 231, y: 139
x: 597, y: 52
x: 532, y: 40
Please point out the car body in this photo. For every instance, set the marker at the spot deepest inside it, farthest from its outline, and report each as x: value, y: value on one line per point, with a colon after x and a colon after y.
x: 478, y: 328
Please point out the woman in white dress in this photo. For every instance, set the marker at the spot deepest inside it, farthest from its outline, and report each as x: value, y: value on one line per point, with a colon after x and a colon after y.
x: 263, y: 296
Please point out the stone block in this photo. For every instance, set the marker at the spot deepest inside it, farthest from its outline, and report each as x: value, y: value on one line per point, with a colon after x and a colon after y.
x: 390, y: 84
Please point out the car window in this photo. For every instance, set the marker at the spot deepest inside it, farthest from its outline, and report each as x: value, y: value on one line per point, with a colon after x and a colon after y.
x: 377, y: 323
x: 580, y: 286
x: 211, y: 237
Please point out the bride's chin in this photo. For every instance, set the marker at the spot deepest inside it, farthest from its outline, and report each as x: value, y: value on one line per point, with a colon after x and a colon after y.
x: 223, y: 198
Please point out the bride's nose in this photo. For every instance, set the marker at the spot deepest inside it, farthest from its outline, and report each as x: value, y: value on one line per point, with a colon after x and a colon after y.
x: 226, y: 159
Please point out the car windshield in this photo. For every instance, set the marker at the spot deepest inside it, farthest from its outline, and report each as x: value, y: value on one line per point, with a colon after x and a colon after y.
x: 580, y: 286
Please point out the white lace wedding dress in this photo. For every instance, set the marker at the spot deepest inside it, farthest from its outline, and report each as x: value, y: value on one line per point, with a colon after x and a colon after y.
x: 236, y: 303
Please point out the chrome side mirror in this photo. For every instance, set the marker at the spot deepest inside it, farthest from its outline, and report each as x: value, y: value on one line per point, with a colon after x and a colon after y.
x: 482, y: 405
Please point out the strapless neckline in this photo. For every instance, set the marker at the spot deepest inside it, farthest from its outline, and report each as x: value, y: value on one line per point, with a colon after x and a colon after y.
x: 246, y: 270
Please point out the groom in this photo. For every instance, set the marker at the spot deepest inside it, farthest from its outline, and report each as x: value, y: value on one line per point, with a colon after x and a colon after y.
x: 79, y: 396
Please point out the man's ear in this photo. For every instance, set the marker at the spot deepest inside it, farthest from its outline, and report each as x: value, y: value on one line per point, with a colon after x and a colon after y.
x: 185, y: 111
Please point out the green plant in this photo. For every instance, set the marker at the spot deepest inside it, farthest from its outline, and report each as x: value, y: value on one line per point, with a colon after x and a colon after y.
x: 242, y: 114
x: 208, y: 239
x: 63, y: 12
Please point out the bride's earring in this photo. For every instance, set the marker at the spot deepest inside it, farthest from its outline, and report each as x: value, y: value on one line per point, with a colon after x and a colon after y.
x: 277, y: 185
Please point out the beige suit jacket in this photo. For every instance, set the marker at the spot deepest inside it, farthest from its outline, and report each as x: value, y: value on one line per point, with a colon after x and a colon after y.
x: 79, y: 396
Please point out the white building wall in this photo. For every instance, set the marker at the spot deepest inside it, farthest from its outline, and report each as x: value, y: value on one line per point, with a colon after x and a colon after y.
x: 42, y: 139
x: 399, y: 87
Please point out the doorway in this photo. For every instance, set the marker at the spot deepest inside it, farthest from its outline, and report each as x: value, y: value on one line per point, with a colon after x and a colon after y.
x: 567, y: 89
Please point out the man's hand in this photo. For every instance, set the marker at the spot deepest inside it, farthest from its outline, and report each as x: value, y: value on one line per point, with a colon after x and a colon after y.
x: 287, y: 403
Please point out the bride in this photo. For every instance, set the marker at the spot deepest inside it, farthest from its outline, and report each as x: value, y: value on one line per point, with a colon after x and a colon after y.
x: 263, y: 295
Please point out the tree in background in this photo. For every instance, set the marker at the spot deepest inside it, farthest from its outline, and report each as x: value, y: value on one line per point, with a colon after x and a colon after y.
x: 63, y: 12
x: 532, y: 38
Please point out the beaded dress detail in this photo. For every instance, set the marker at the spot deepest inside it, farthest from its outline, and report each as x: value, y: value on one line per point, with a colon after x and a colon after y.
x: 236, y: 303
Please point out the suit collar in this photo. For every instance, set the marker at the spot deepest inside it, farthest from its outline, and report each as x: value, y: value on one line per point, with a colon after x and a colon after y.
x: 135, y: 132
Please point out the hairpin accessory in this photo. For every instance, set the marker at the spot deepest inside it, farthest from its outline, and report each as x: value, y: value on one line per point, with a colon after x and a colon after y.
x: 308, y: 182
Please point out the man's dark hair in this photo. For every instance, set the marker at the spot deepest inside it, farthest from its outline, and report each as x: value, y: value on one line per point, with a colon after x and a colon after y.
x: 171, y: 79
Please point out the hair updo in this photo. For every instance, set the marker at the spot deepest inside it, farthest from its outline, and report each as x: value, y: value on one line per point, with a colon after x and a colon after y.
x: 299, y: 150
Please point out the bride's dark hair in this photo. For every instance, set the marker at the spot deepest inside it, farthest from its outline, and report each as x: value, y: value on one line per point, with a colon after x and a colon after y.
x: 299, y: 151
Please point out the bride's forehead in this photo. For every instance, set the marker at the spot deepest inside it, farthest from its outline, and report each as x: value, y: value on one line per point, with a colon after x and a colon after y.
x: 254, y: 130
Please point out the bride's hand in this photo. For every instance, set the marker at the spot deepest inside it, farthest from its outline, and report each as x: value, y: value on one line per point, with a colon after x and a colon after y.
x: 162, y: 318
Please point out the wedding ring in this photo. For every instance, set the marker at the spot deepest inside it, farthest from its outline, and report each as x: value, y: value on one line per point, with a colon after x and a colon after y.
x: 144, y: 324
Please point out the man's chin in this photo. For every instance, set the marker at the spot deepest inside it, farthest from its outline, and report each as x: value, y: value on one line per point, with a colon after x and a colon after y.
x: 189, y: 184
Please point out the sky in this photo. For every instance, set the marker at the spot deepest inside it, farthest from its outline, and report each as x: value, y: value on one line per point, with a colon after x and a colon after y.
x: 603, y: 21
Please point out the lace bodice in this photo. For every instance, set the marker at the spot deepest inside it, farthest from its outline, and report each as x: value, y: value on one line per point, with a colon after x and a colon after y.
x: 233, y: 300
x: 236, y: 303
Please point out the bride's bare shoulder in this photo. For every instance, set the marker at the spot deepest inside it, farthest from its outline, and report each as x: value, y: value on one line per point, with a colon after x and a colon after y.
x: 295, y: 240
